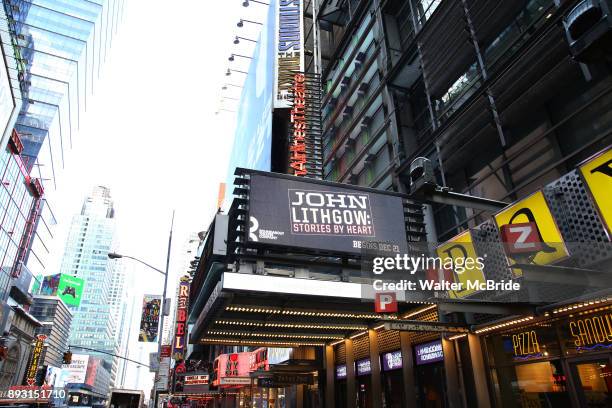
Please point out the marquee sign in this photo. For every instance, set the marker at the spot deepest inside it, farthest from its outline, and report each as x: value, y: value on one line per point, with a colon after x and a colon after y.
x: 35, y: 359
x: 180, y: 329
x: 305, y: 147
x: 296, y: 212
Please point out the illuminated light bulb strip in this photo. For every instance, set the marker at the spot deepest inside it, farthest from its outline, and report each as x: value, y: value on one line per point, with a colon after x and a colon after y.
x: 290, y: 325
x: 575, y: 306
x: 591, y: 311
x: 308, y: 313
x: 336, y: 342
x: 457, y: 336
x: 506, y: 324
x: 354, y: 336
x: 423, y: 310
x: 280, y: 335
x: 257, y: 342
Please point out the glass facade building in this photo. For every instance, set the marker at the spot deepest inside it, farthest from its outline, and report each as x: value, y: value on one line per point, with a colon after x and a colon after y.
x: 52, y: 50
x: 91, y: 237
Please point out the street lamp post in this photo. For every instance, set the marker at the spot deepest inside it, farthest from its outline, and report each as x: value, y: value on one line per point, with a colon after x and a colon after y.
x: 114, y: 255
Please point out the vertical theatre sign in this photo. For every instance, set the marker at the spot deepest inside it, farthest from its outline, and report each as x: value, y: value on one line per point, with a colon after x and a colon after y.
x: 289, y: 49
x: 305, y: 147
x: 35, y: 359
x: 180, y: 330
x: 149, y: 322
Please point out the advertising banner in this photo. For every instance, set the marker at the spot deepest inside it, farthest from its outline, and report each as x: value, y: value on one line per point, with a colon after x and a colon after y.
x: 166, y: 350
x: 180, y: 328
x: 66, y: 287
x: 76, y: 371
x: 149, y: 322
x: 70, y: 289
x: 289, y: 48
x: 252, y: 146
x: 429, y: 352
x: 597, y: 172
x: 297, y: 213
x: 153, y: 362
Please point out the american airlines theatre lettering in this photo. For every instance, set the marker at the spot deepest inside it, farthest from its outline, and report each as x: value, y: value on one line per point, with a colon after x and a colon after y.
x: 294, y: 212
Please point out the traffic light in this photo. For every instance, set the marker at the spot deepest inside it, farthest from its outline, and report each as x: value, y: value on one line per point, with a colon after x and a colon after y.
x: 67, y: 358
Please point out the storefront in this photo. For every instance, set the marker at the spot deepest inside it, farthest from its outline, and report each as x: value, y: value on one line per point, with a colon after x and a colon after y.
x: 392, y: 379
x: 363, y: 370
x: 563, y: 361
x: 429, y: 374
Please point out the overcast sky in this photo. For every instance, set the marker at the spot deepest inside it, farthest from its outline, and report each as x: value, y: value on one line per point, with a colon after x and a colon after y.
x: 151, y: 133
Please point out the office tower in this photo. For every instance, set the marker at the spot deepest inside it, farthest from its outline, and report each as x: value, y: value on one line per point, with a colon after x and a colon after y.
x: 56, y: 318
x: 53, y: 51
x: 91, y: 237
x: 122, y: 309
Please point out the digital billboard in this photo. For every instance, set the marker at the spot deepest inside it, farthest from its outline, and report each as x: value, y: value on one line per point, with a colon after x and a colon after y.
x: 297, y: 212
x: 253, y: 135
x: 66, y: 287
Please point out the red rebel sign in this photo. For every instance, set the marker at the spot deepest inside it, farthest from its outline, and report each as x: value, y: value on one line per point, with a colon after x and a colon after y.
x: 521, y: 238
x: 385, y: 302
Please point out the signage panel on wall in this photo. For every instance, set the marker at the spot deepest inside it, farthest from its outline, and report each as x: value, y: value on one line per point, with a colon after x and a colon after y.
x: 289, y: 48
x: 341, y: 371
x: 290, y: 211
x: 461, y: 249
x: 149, y: 322
x: 392, y: 360
x: 597, y: 172
x: 429, y: 352
x: 363, y: 367
x: 533, y: 212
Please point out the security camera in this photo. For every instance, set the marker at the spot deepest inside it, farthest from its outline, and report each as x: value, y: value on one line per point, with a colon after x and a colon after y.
x: 421, y: 175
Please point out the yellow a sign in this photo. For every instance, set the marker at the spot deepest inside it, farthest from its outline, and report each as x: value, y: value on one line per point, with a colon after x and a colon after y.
x: 534, y: 209
x: 597, y: 172
x: 466, y: 266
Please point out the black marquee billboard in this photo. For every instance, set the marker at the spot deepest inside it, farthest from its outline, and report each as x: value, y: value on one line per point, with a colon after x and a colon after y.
x: 314, y: 215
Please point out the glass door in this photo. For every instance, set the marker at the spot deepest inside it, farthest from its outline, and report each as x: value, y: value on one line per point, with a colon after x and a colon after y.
x: 593, y: 379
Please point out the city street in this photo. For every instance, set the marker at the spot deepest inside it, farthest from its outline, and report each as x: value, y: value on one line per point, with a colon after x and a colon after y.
x: 306, y: 204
